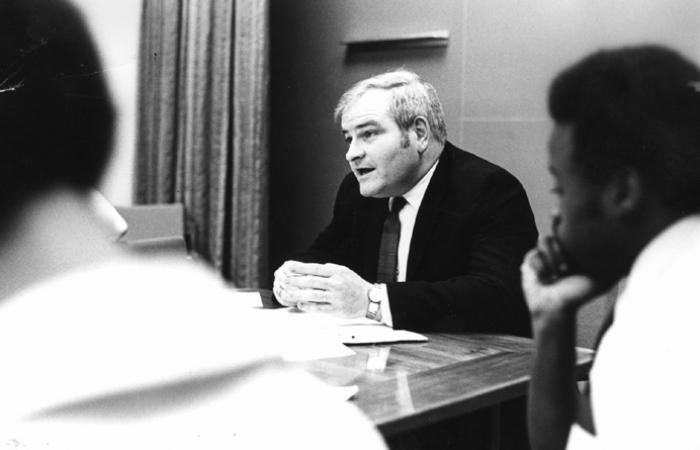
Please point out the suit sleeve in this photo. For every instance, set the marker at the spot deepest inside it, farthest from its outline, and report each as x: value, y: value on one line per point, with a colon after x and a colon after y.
x: 333, y: 244
x: 485, y: 296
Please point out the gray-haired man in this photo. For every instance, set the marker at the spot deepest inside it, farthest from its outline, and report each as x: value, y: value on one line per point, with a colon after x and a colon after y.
x: 424, y: 236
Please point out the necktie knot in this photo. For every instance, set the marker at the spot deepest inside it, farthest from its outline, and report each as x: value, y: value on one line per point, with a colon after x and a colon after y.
x: 397, y: 204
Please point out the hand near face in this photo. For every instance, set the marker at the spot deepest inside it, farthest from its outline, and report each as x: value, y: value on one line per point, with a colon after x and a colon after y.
x: 549, y: 287
x: 328, y: 288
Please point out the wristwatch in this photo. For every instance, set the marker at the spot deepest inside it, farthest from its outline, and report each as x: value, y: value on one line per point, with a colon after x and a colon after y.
x: 375, y: 295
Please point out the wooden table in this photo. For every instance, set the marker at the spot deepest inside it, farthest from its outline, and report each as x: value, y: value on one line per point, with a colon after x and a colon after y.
x: 408, y: 385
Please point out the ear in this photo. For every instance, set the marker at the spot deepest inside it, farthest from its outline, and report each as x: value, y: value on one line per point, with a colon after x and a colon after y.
x: 422, y: 130
x: 625, y: 193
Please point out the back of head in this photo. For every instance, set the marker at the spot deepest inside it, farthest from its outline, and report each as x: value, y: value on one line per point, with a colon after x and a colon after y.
x: 638, y: 108
x: 56, y: 115
x: 411, y: 97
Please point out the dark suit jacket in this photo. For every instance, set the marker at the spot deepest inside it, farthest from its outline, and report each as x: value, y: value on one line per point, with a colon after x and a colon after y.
x: 471, y: 233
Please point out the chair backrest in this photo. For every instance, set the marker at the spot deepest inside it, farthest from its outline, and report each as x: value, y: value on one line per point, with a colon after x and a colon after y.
x: 155, y: 228
x: 175, y: 245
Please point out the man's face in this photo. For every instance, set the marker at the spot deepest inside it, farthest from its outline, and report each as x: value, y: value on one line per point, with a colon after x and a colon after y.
x: 588, y: 234
x: 385, y: 160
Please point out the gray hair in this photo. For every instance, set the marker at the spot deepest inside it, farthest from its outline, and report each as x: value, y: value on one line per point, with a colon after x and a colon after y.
x: 411, y: 97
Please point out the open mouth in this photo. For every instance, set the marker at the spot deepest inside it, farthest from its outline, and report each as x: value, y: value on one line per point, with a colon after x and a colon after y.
x: 363, y: 171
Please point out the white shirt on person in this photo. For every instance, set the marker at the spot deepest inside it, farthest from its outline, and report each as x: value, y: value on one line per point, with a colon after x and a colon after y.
x: 137, y: 353
x: 644, y: 381
x: 407, y: 218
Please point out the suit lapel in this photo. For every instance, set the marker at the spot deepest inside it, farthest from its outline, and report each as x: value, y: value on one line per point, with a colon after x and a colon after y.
x: 428, y: 212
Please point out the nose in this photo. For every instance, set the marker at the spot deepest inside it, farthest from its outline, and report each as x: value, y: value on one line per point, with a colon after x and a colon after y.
x: 354, y: 152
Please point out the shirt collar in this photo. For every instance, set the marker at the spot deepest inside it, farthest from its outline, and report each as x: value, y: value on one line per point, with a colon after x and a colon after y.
x: 415, y: 195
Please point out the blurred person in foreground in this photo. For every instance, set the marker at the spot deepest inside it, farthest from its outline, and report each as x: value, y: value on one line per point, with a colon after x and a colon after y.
x: 625, y: 157
x: 100, y: 349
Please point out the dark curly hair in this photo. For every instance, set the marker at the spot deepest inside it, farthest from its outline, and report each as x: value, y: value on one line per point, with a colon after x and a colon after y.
x: 639, y: 108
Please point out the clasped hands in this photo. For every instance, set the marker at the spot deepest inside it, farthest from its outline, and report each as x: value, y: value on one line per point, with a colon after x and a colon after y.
x: 328, y: 288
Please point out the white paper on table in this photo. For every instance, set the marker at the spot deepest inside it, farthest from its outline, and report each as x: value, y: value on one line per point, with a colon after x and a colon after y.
x: 346, y: 331
x: 297, y: 337
x: 376, y: 334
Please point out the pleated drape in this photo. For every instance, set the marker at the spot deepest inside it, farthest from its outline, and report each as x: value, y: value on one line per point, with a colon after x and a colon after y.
x: 202, y: 130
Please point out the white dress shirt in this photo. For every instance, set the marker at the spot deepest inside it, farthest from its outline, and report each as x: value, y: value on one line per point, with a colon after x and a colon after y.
x: 644, y: 381
x: 407, y: 218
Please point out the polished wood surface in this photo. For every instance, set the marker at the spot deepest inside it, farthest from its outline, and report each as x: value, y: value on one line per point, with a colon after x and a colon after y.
x: 408, y: 385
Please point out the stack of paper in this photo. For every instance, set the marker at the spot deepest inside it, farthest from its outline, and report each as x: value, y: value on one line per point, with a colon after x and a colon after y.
x: 322, y: 334
x: 375, y: 334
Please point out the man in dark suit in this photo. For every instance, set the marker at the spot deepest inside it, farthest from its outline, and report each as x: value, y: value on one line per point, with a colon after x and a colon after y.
x: 424, y: 236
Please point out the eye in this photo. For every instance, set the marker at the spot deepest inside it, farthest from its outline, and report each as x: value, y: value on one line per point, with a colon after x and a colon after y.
x: 347, y: 139
x: 557, y: 190
x: 368, y: 134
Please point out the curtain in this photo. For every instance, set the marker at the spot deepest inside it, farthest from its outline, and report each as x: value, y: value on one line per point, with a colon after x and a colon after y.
x: 202, y: 137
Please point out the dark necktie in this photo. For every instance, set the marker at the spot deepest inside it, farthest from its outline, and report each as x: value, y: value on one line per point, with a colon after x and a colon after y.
x: 387, y: 267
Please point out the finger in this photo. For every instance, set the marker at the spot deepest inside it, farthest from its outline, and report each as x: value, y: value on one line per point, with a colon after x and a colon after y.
x: 278, y: 286
x: 278, y: 280
x: 321, y: 270
x: 309, y: 282
x: 290, y: 296
x: 283, y: 296
x: 285, y: 270
x: 555, y: 216
x: 577, y: 290
x: 294, y: 296
x: 530, y: 263
x: 545, y: 256
x: 290, y: 262
x: 530, y: 273
x: 313, y: 295
x: 278, y: 290
x: 549, y: 257
x: 316, y: 307
x: 525, y: 266
x: 284, y: 276
x: 280, y: 276
x: 558, y: 260
x: 535, y: 267
x: 285, y: 300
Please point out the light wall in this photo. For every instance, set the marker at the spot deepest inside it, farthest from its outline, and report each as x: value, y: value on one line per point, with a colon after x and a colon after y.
x: 512, y: 49
x: 115, y: 26
x: 492, y: 79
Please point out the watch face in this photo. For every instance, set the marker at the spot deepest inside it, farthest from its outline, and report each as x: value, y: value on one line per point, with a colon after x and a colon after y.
x: 374, y: 295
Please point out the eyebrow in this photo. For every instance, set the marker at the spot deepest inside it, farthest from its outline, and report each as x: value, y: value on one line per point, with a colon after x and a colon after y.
x: 366, y: 124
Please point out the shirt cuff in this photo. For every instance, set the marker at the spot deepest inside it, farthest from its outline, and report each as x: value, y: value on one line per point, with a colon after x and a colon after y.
x: 384, y: 307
